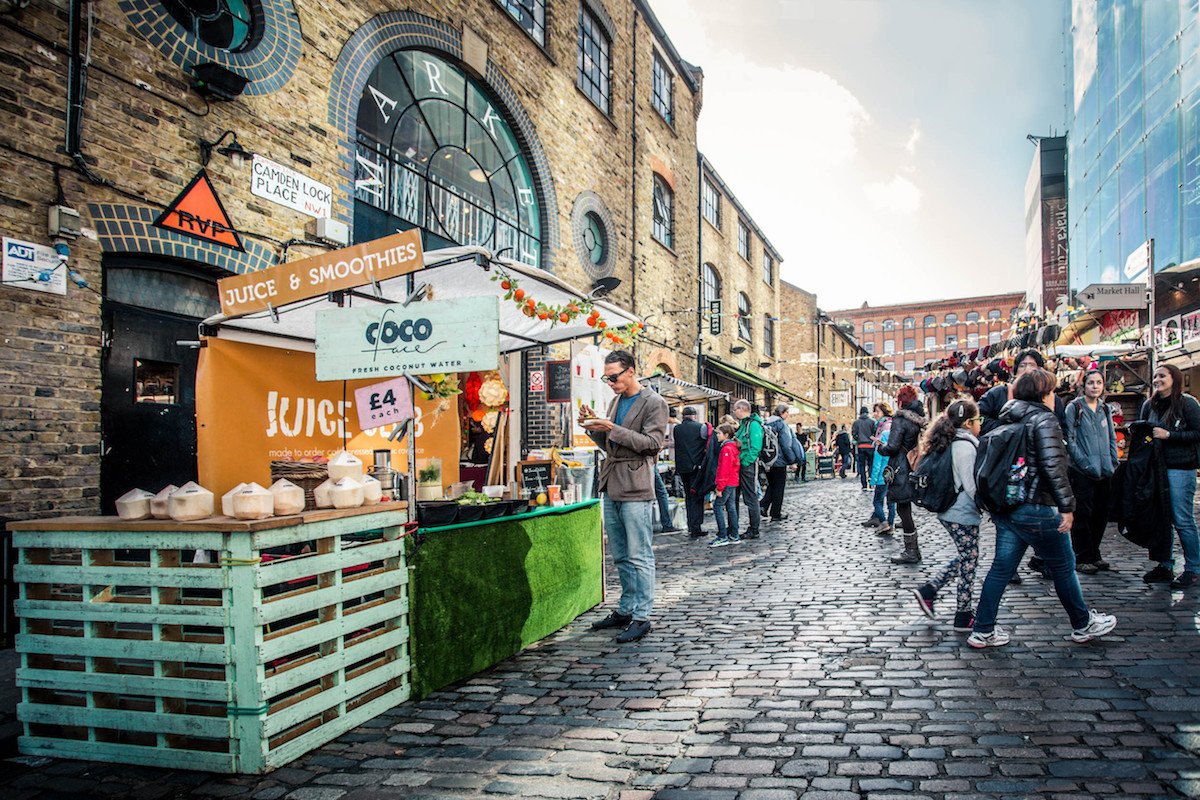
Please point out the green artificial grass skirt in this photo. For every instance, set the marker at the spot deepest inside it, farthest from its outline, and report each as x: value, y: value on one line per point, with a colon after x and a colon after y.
x: 481, y: 594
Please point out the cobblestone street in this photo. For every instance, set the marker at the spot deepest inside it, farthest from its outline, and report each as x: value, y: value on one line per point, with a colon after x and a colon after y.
x: 794, y: 666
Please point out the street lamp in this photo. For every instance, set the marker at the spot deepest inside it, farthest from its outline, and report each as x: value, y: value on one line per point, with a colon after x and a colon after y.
x: 234, y: 150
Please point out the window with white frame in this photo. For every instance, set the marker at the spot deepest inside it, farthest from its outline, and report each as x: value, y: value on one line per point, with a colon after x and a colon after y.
x: 889, y: 324
x: 768, y: 268
x: 744, y: 317
x: 769, y: 336
x: 909, y: 365
x: 712, y: 285
x: 972, y: 341
x: 889, y: 346
x: 972, y: 316
x: 743, y: 240
x: 869, y: 347
x: 930, y: 342
x: 909, y: 322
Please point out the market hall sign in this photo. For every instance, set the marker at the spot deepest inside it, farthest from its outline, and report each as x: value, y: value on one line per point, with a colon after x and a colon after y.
x: 461, y: 335
x: 334, y: 271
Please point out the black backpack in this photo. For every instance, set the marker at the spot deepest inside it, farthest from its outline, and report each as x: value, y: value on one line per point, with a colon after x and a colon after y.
x: 932, y: 483
x: 1003, y: 480
x: 768, y: 456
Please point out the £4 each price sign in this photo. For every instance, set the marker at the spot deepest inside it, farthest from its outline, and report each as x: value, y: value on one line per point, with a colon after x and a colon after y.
x: 386, y: 403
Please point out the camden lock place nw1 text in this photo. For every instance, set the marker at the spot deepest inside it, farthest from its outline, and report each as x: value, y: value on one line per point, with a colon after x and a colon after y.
x: 354, y: 266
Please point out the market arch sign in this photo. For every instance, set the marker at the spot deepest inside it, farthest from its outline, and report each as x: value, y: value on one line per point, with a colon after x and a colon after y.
x: 460, y: 335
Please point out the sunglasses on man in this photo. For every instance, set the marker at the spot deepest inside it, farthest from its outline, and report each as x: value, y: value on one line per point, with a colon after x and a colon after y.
x: 615, y: 376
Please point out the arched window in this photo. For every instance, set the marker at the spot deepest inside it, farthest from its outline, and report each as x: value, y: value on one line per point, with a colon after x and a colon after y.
x: 712, y: 286
x: 868, y: 327
x: 994, y: 314
x: 909, y: 322
x: 663, y: 228
x: 930, y: 320
x: 972, y: 316
x: 952, y: 319
x: 889, y: 324
x: 435, y: 153
x: 744, y: 317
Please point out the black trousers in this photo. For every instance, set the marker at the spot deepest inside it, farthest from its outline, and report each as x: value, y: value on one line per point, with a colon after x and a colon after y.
x: 749, y: 489
x: 1093, y: 497
x: 906, y: 518
x: 693, y: 502
x: 772, y: 502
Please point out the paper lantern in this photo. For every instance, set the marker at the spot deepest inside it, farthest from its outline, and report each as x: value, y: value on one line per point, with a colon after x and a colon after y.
x: 134, y: 504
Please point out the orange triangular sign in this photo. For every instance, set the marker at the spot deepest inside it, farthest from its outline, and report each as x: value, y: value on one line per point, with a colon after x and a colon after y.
x: 197, y: 212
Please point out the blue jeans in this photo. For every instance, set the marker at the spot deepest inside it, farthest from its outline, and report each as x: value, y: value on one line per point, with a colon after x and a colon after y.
x: 725, y: 509
x: 880, y: 495
x: 1037, y: 527
x: 664, y: 507
x: 1182, y: 483
x: 630, y: 537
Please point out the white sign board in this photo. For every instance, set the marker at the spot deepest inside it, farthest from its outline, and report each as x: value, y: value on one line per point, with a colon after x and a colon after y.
x: 1112, y: 296
x: 377, y: 340
x: 24, y: 262
x: 1138, y: 261
x: 289, y: 188
x: 839, y: 399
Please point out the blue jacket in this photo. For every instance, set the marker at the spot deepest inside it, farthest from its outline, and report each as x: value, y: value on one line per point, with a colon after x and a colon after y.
x: 878, y: 462
x: 789, y: 448
x: 1091, y: 439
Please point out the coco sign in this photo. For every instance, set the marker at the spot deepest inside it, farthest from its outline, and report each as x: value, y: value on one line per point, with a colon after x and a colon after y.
x: 460, y: 335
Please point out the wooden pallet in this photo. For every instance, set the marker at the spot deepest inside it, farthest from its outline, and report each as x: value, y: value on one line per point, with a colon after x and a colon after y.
x: 133, y: 652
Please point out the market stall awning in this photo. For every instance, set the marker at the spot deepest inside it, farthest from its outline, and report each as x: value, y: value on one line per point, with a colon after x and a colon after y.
x: 450, y: 273
x: 1081, y: 350
x: 739, y: 374
x: 674, y: 390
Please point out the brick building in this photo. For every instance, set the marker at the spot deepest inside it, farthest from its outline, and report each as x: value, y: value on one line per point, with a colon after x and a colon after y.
x: 907, y: 336
x: 566, y: 139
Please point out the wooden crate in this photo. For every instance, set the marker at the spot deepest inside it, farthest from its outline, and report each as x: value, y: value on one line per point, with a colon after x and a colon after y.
x: 135, y: 651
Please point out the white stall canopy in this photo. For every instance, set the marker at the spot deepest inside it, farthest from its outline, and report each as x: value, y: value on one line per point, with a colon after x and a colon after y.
x: 449, y: 273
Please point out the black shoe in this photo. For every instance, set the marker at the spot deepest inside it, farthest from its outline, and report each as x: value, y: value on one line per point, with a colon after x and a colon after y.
x: 634, y: 631
x: 750, y: 535
x: 907, y: 557
x: 613, y: 620
x: 872, y: 522
x: 780, y: 518
x: 1016, y: 579
x: 1085, y: 568
x: 964, y: 621
x: 1185, y: 580
x: 1103, y: 565
x: 1159, y: 574
x: 695, y: 534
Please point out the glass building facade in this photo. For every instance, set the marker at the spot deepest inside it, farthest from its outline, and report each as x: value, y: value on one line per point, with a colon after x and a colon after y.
x: 1134, y: 137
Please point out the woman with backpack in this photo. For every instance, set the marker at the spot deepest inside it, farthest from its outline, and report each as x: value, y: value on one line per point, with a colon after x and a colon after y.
x: 1092, y: 448
x: 1021, y: 477
x: 956, y: 431
x: 905, y: 437
x: 1176, y: 420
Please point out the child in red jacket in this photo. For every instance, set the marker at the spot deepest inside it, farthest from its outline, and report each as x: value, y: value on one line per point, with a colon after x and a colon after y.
x: 725, y: 505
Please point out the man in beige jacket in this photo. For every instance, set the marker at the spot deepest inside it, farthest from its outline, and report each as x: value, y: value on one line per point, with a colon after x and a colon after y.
x: 630, y: 436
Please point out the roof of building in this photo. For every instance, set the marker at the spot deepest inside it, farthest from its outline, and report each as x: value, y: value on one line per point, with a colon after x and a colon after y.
x: 689, y: 72
x: 707, y: 166
x: 921, y: 305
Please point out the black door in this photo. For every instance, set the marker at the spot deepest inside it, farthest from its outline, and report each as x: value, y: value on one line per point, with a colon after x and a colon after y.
x: 148, y: 401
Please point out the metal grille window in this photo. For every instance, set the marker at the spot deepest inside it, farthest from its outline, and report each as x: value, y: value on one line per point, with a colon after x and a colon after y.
x: 768, y: 269
x: 743, y: 240
x: 663, y: 91
x: 744, y: 317
x: 664, y: 213
x: 710, y: 204
x: 769, y: 336
x: 594, y: 65
x: 530, y: 15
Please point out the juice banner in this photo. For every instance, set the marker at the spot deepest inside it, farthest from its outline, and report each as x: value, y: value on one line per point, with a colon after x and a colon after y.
x: 256, y: 404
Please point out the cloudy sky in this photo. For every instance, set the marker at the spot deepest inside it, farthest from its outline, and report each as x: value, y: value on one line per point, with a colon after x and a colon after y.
x: 880, y: 144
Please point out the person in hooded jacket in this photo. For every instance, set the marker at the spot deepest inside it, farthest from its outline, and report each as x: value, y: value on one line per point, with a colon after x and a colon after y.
x: 1175, y: 418
x: 1092, y: 447
x: 1042, y: 522
x: 878, y: 522
x: 863, y: 432
x: 905, y: 436
x: 994, y: 399
x: 772, y: 502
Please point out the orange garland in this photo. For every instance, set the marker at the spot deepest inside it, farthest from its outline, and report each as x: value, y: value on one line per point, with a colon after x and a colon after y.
x: 555, y: 314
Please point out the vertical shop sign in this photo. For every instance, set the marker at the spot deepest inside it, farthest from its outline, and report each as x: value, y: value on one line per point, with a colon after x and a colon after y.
x: 1054, y: 252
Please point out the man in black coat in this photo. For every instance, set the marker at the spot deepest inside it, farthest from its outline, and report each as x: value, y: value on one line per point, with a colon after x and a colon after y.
x: 994, y: 399
x: 691, y: 439
x: 863, y: 433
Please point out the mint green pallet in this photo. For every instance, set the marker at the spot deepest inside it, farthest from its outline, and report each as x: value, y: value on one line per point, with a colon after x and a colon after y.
x: 133, y: 653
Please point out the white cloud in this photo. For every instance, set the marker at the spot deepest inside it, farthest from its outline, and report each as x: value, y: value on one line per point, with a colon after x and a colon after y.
x: 915, y: 136
x: 899, y: 195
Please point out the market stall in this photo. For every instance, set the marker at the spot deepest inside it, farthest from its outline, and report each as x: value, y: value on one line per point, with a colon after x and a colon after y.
x: 342, y: 382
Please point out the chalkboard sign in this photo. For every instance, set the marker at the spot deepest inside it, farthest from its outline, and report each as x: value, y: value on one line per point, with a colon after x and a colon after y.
x: 558, y: 381
x: 535, y: 474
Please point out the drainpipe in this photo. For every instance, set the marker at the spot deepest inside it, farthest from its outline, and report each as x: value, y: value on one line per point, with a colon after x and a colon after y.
x: 699, y: 270
x: 633, y: 144
x: 74, y: 132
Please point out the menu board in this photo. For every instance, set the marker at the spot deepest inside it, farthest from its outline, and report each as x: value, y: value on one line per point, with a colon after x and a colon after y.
x: 535, y: 474
x: 558, y: 381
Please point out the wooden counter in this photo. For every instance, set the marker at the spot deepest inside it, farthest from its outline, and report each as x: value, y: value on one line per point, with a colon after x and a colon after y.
x: 208, y: 524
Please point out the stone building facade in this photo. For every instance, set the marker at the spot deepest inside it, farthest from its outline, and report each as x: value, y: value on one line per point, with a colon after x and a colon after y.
x: 907, y: 336
x: 569, y: 148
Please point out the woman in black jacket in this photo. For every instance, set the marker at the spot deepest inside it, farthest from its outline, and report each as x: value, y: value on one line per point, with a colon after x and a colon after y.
x: 1042, y: 522
x: 905, y: 437
x: 1176, y: 420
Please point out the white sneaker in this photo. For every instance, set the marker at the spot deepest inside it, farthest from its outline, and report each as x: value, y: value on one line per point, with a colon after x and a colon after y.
x: 719, y: 542
x: 1098, y: 625
x: 997, y: 638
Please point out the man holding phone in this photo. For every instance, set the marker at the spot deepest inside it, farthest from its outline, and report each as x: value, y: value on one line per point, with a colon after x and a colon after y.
x: 630, y: 437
